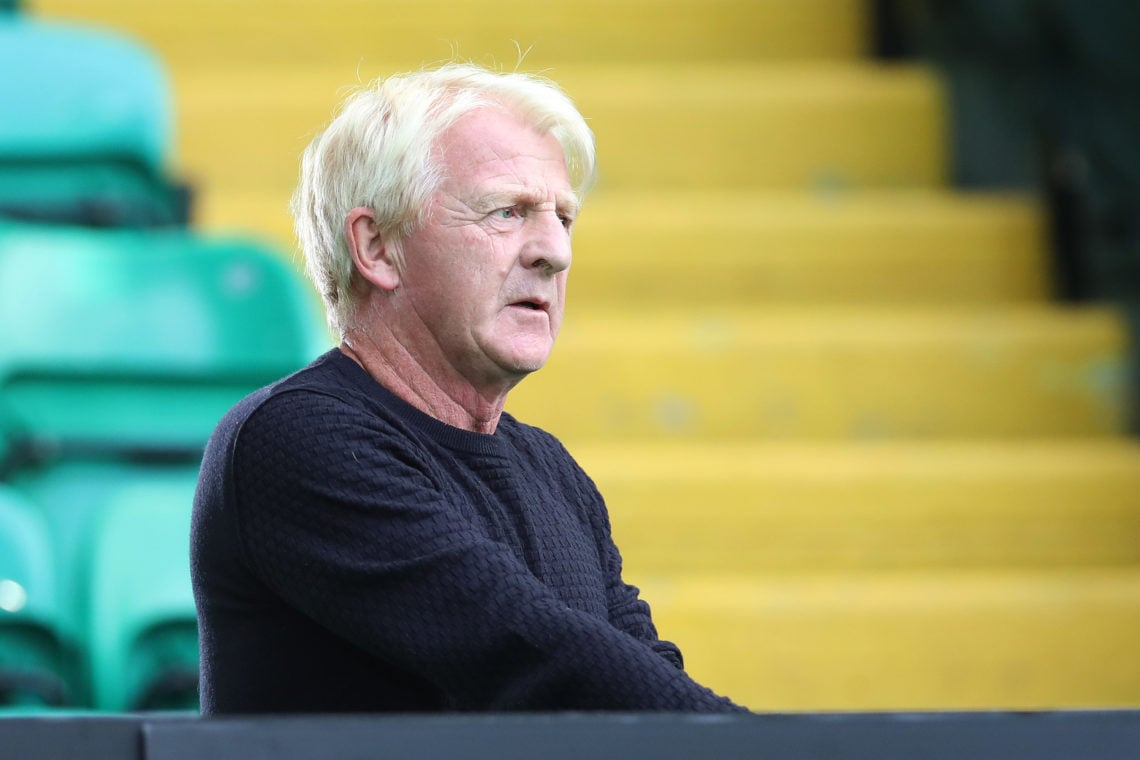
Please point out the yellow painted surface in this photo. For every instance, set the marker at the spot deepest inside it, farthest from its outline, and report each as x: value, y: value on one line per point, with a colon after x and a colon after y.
x: 911, y: 641
x: 802, y: 126
x: 254, y: 80
x: 407, y: 33
x: 751, y: 508
x: 709, y: 249
x: 241, y: 131
x: 832, y: 374
x: 702, y: 249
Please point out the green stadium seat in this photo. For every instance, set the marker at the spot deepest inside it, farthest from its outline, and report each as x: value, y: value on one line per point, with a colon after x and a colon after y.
x: 34, y: 665
x: 144, y: 635
x: 94, y: 128
x: 128, y: 343
x: 72, y: 495
x: 123, y: 348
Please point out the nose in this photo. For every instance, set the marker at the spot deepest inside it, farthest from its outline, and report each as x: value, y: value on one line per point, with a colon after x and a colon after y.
x: 547, y: 246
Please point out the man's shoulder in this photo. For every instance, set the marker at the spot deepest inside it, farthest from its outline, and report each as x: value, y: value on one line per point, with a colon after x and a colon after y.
x: 540, y: 448
x: 519, y: 432
x: 307, y: 393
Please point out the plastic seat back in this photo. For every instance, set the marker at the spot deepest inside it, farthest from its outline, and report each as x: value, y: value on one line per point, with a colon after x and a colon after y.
x: 133, y: 344
x: 94, y: 128
x: 35, y: 668
x: 143, y: 640
x: 122, y: 350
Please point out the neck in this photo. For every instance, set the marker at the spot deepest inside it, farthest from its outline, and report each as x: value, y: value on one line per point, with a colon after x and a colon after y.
x: 440, y: 394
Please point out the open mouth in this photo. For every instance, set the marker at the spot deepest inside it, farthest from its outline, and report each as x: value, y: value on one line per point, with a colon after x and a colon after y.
x: 532, y: 305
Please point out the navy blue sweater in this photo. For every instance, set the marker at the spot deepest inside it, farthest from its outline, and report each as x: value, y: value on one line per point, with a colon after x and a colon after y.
x: 351, y: 553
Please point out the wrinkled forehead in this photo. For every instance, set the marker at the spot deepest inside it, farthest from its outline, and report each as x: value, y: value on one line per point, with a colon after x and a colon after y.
x: 492, y: 152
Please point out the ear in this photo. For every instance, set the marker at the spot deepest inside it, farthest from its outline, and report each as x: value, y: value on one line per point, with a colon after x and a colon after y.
x: 370, y: 252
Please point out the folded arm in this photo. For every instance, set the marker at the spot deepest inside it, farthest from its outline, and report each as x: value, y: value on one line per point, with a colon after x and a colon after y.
x: 367, y: 546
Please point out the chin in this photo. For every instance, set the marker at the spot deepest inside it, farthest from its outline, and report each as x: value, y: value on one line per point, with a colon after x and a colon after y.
x: 519, y: 357
x: 526, y: 363
x: 524, y: 368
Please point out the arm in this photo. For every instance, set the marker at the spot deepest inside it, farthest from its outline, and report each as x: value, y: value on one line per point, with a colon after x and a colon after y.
x: 628, y: 612
x: 362, y: 541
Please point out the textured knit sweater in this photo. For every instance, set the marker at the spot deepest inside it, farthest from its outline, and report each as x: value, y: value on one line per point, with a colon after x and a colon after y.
x: 351, y: 553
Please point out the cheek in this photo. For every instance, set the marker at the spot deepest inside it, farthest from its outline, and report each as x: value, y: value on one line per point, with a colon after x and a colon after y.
x: 561, y: 279
x: 480, y: 261
x: 558, y: 309
x: 462, y: 270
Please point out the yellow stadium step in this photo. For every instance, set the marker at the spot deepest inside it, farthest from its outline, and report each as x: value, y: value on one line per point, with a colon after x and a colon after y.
x: 914, y: 641
x: 861, y: 374
x: 409, y: 33
x: 716, y: 508
x: 802, y: 126
x: 718, y: 248
x: 826, y: 128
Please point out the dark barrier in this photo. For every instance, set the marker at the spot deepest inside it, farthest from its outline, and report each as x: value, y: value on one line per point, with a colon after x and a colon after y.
x: 70, y: 737
x: 1071, y: 735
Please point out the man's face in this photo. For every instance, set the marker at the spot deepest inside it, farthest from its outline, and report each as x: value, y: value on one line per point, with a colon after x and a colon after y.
x: 486, y: 274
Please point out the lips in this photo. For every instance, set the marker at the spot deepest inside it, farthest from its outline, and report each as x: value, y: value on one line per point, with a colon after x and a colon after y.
x: 532, y: 304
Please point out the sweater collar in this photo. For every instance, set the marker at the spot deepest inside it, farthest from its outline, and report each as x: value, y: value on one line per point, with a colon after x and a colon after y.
x: 456, y: 439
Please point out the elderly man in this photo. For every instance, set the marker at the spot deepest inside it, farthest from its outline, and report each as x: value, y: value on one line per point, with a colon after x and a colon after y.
x: 374, y: 533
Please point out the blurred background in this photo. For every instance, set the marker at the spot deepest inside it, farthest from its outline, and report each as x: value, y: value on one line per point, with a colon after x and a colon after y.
x: 849, y: 346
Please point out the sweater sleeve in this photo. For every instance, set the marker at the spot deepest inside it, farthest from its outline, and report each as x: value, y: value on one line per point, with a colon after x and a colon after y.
x: 627, y: 611
x: 344, y: 522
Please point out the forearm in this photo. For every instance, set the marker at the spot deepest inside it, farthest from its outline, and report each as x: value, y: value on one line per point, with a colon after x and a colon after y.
x: 377, y: 550
x: 490, y: 636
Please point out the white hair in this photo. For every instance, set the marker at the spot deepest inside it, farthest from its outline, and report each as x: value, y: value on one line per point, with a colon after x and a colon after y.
x: 378, y: 153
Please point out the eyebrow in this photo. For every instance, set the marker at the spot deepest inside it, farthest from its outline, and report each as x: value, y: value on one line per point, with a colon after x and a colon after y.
x: 567, y: 203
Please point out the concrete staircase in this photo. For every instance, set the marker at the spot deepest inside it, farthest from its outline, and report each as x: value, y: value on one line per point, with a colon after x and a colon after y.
x: 854, y: 455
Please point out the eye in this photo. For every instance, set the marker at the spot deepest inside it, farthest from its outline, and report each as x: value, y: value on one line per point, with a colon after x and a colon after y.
x: 567, y: 221
x: 507, y: 212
